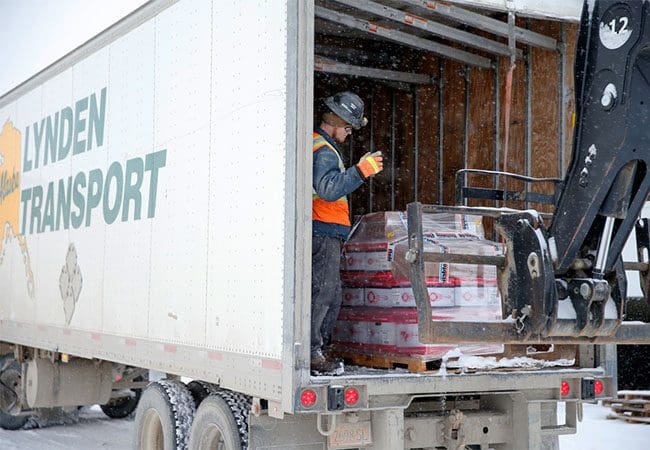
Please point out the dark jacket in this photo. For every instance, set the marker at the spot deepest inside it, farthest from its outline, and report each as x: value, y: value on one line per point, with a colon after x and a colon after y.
x: 331, y: 184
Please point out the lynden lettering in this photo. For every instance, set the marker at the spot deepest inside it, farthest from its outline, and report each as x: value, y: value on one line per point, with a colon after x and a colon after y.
x: 79, y: 129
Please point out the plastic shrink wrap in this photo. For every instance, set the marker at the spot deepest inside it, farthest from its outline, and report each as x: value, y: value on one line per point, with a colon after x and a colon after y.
x: 379, y: 311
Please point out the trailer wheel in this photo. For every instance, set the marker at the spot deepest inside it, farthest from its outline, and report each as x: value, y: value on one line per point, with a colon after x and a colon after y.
x: 221, y: 421
x: 164, y: 416
x: 200, y: 390
x: 10, y: 394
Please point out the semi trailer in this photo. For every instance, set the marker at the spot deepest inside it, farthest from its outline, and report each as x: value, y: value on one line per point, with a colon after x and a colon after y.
x: 155, y: 215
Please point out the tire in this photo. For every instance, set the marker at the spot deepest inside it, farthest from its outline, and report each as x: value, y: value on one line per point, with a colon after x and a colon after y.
x: 221, y: 422
x: 10, y: 394
x: 164, y: 416
x: 200, y: 390
x: 119, y: 408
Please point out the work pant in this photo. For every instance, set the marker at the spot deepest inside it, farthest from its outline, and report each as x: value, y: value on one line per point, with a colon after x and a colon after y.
x: 325, y: 289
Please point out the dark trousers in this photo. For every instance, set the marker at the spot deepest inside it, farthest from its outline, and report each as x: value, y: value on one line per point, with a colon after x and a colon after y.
x: 325, y: 289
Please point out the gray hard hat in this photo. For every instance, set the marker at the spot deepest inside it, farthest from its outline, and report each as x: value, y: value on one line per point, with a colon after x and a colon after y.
x: 349, y: 107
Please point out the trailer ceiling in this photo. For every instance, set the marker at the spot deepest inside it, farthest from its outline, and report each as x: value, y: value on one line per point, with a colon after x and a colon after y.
x: 473, y: 37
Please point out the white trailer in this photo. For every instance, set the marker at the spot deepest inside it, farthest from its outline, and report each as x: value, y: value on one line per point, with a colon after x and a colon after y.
x: 156, y: 212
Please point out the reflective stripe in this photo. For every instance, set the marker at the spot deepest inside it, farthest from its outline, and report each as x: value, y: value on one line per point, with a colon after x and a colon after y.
x: 373, y: 163
x: 330, y: 212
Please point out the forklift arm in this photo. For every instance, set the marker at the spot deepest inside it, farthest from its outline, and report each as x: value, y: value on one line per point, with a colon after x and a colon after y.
x: 607, y: 183
x: 567, y: 283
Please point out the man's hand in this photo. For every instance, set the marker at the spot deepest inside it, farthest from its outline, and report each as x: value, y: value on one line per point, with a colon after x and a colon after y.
x: 370, y: 164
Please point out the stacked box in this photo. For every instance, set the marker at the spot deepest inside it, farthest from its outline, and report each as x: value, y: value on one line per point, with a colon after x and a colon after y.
x: 395, y: 330
x: 379, y: 311
x: 401, y: 296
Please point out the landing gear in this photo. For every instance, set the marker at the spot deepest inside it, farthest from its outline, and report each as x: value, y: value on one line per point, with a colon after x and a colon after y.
x: 123, y: 405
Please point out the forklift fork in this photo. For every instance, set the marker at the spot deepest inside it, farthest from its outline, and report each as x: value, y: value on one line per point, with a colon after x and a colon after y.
x: 533, y: 312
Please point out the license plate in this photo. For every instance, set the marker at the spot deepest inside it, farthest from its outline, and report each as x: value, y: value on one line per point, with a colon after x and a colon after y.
x: 348, y: 435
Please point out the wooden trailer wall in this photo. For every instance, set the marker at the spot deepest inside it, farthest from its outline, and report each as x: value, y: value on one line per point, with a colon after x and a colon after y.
x: 428, y: 132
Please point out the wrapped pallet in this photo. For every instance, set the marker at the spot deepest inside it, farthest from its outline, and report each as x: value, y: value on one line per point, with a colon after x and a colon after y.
x: 379, y: 315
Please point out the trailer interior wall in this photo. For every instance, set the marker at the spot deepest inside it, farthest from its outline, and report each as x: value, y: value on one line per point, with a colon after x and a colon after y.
x: 428, y: 132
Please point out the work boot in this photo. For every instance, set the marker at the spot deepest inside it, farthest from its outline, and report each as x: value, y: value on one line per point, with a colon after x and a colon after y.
x: 320, y: 365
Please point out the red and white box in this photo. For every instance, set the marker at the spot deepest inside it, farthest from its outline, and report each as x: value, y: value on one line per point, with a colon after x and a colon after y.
x: 351, y: 332
x: 381, y: 330
x: 395, y: 330
x: 352, y: 279
x: 439, y: 296
x: 367, y: 261
x: 477, y: 295
x: 408, y: 342
x: 353, y: 297
x: 367, y: 329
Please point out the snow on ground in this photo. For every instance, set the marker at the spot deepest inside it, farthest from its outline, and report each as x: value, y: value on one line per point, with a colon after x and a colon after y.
x: 93, y: 430
x: 596, y: 432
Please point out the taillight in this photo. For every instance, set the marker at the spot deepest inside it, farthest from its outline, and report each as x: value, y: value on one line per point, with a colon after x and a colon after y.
x: 351, y: 396
x: 565, y: 388
x: 308, y: 398
x: 599, y: 387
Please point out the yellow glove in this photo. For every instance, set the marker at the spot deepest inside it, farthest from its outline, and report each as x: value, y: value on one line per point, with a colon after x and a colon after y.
x: 370, y: 164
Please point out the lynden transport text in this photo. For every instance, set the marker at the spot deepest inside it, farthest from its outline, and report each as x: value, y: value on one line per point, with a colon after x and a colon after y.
x: 116, y: 191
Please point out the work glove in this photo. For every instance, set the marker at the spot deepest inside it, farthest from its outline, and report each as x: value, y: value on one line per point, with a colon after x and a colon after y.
x: 370, y: 164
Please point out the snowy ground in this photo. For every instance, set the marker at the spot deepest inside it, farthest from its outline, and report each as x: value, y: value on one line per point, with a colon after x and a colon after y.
x: 596, y: 432
x: 93, y: 430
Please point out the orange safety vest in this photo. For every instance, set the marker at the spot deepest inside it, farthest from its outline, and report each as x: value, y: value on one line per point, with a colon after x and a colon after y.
x: 330, y: 212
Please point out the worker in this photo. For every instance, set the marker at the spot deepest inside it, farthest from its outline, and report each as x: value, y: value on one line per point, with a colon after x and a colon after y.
x: 331, y: 218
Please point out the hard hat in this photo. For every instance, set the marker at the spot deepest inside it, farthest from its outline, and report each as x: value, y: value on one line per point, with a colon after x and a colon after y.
x: 349, y: 107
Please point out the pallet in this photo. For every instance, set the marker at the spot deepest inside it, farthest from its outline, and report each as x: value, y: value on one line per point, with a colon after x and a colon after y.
x: 540, y: 351
x: 631, y: 406
x: 413, y: 363
x: 629, y: 419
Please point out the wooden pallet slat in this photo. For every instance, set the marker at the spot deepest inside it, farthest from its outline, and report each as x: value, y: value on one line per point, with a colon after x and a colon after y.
x: 413, y: 363
x: 630, y: 419
x: 631, y: 406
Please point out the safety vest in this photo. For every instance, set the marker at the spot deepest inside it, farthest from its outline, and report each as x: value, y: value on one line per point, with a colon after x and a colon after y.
x: 330, y: 212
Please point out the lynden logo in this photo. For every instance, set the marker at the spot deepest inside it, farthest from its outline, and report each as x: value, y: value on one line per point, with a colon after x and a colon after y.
x: 115, y: 191
x: 10, y: 155
x: 9, y: 181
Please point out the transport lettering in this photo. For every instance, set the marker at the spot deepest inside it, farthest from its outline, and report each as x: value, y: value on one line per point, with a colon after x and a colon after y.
x: 119, y: 191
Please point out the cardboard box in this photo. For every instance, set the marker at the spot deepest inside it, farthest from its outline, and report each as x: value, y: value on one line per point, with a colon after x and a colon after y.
x: 477, y: 295
x: 353, y: 296
x: 395, y: 331
x: 367, y: 261
x: 439, y: 296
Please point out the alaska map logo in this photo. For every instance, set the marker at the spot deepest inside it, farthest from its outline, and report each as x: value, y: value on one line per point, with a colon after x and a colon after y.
x: 10, y: 155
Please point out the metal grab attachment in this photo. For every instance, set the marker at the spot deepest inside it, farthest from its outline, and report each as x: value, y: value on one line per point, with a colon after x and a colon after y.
x: 532, y: 298
x: 464, y: 191
x: 567, y: 283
